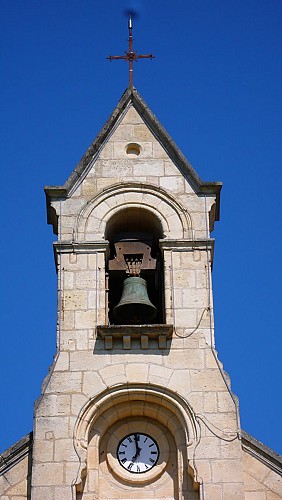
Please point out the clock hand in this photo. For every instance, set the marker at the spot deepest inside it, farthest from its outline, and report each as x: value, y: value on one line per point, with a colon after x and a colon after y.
x: 138, y: 449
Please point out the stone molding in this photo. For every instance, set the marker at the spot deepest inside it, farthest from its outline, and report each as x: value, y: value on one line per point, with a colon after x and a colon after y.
x: 93, y: 217
x: 129, y: 332
x: 16, y: 453
x: 261, y: 452
x: 99, y: 413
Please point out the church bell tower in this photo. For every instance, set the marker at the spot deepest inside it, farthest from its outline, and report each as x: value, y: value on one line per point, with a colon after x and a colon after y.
x: 136, y: 404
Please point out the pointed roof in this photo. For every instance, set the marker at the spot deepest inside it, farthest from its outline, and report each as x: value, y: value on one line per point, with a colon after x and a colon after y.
x: 132, y: 97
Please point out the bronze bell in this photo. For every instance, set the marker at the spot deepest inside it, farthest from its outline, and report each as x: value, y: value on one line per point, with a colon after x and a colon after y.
x: 134, y: 307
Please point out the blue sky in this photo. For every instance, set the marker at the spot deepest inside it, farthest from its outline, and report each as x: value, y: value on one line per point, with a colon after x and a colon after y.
x: 215, y: 85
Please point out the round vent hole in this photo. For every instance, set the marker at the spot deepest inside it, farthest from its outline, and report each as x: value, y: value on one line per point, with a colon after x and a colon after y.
x: 133, y: 149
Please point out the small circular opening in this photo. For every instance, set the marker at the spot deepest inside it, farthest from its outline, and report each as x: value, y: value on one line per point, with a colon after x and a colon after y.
x: 133, y: 149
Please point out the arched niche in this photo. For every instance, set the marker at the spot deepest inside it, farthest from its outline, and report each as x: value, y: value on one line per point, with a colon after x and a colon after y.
x: 121, y: 411
x: 133, y: 234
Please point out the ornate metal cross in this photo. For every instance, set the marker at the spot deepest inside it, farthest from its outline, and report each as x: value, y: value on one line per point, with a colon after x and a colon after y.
x: 130, y: 55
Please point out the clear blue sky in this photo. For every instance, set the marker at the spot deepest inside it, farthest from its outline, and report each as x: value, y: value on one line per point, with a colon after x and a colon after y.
x: 215, y: 85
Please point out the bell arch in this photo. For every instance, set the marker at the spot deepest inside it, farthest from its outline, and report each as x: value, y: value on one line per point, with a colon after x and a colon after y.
x: 92, y: 220
x: 135, y: 267
x: 119, y: 411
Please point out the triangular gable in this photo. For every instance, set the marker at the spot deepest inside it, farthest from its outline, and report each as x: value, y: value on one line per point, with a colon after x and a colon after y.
x: 132, y: 97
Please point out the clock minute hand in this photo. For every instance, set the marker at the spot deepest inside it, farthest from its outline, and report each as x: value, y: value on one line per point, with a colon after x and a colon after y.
x: 138, y: 449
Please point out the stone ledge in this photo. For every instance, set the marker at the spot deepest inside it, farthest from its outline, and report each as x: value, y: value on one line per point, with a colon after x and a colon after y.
x: 129, y: 332
x: 16, y: 453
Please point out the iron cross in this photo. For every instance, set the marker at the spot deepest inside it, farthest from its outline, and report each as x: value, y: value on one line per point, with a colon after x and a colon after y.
x: 130, y: 55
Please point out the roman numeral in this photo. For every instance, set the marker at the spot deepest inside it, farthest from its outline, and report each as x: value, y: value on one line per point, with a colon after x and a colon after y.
x: 154, y: 452
x: 138, y: 468
x: 130, y: 466
x: 129, y: 439
x: 121, y: 452
x: 123, y: 460
x: 151, y: 460
x: 124, y: 445
x: 150, y: 445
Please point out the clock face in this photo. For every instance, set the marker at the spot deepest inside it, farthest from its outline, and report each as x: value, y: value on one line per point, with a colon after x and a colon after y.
x: 138, y: 453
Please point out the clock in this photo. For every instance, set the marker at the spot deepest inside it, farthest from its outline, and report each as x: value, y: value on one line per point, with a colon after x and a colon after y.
x: 138, y: 453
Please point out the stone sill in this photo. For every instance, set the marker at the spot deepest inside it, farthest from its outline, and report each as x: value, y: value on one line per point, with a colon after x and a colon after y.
x: 129, y: 332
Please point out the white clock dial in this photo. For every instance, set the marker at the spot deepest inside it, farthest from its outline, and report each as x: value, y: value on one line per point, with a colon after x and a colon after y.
x: 138, y: 453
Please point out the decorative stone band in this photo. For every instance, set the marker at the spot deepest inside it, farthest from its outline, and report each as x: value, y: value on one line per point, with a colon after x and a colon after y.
x: 129, y: 332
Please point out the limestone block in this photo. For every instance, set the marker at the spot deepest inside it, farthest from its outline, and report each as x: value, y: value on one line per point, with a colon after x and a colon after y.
x: 107, y: 151
x: 62, y: 361
x: 78, y: 401
x: 82, y: 340
x: 160, y: 152
x: 66, y: 382
x: 67, y: 340
x: 112, y: 371
x: 194, y: 358
x: 64, y: 451
x: 62, y: 492
x: 123, y: 132
x: 213, y: 492
x: 225, y: 402
x: 180, y: 382
x: 89, y: 188
x: 48, y: 474
x: 255, y: 468
x: 96, y: 259
x: 185, y: 318
x: 192, y: 297
x: 81, y: 361
x: 201, y: 279
x: 159, y: 374
x: 68, y: 223
x: 188, y: 188
x: 68, y: 280
x: 272, y: 496
x: 255, y: 495
x: 152, y: 168
x: 184, y: 278
x: 42, y: 493
x: 142, y: 133
x: 70, y: 206
x: 92, y: 384
x: 210, y: 402
x: 103, y: 183
x: 226, y: 471
x: 85, y: 319
x: 208, y: 448
x: 233, y: 491
x: 252, y: 484
x: 206, y: 380
x: 230, y: 450
x: 175, y: 184
x: 274, y: 483
x: 43, y: 451
x: 132, y: 117
x: 67, y: 320
x: 153, y: 181
x: 137, y: 372
x: 204, y: 470
x: 210, y: 360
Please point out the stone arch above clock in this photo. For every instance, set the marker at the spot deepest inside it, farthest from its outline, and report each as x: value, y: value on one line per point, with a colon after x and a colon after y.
x: 105, y: 420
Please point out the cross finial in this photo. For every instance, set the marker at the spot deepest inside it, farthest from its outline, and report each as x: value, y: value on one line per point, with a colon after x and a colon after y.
x: 130, y: 55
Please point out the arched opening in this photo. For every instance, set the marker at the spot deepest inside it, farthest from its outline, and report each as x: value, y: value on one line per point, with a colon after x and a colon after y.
x: 134, y: 235
x: 136, y: 411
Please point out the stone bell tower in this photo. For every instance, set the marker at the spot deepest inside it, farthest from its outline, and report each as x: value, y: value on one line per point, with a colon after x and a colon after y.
x: 136, y: 403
